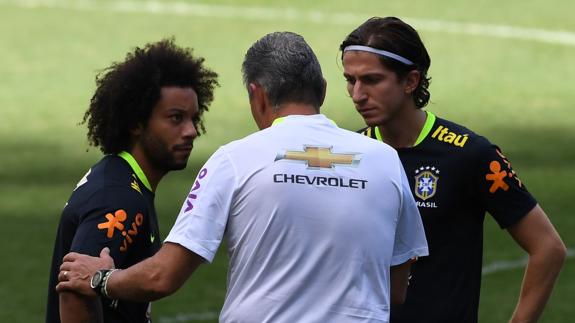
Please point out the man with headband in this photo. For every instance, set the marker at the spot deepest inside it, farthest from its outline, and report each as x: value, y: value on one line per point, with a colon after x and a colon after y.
x: 316, y: 229
x: 455, y: 176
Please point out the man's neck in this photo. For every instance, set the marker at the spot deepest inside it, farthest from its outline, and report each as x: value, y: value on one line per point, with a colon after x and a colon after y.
x: 404, y: 129
x: 287, y: 109
x: 295, y: 109
x: 153, y: 175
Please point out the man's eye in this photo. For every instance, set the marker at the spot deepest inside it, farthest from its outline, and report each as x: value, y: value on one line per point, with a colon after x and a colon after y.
x: 176, y: 118
x: 372, y: 79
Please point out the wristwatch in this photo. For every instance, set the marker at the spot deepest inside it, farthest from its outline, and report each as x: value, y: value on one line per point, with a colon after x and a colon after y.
x: 97, y: 281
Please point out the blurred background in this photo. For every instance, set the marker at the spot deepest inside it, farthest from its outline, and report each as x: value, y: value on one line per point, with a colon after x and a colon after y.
x: 502, y: 68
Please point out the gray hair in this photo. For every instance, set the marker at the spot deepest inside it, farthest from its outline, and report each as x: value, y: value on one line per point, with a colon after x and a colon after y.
x: 286, y: 67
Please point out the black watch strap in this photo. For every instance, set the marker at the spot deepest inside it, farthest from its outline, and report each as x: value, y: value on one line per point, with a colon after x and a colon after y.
x: 100, y: 287
x: 96, y: 281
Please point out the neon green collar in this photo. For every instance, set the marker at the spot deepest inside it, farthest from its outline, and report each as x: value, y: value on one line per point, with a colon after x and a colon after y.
x: 278, y: 121
x: 136, y: 168
x: 282, y: 119
x: 429, y: 121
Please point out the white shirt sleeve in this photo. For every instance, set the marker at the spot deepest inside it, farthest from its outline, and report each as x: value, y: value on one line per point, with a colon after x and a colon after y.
x: 410, y: 238
x: 202, y: 220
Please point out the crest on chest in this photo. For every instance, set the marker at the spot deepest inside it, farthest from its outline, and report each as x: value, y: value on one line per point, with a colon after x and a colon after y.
x: 426, y: 183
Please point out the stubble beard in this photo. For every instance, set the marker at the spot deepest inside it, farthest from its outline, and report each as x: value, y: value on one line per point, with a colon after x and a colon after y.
x: 159, y: 154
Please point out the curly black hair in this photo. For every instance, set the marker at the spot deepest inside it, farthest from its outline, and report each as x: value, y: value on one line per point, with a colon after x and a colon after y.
x: 126, y: 92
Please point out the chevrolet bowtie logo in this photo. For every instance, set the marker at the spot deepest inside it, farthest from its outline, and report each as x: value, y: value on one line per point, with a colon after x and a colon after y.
x: 319, y: 157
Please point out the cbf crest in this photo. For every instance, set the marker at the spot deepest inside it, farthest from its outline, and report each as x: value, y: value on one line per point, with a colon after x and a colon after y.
x: 426, y: 179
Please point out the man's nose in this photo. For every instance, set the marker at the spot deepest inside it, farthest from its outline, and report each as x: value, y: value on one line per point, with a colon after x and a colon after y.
x: 190, y: 130
x: 358, y: 93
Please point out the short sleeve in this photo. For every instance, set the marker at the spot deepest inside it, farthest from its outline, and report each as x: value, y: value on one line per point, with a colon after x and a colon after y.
x: 410, y: 241
x: 505, y: 196
x: 114, y: 218
x: 203, y: 217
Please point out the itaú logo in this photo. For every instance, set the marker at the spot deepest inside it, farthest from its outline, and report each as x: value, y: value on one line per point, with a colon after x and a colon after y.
x: 319, y: 157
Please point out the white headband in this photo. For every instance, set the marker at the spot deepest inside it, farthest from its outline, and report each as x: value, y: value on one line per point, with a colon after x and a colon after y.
x: 378, y: 52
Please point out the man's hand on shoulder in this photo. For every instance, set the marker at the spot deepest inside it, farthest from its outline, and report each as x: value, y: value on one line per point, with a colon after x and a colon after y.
x: 77, y: 270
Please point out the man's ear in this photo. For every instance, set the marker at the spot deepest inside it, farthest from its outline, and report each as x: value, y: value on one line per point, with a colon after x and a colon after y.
x: 258, y: 99
x: 137, y: 130
x: 323, y: 93
x: 412, y: 81
x: 262, y: 111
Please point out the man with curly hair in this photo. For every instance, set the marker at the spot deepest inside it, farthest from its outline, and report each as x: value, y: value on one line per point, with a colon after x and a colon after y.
x: 144, y: 116
x: 299, y: 203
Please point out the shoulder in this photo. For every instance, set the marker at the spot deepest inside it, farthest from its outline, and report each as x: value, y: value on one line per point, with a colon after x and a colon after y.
x: 376, y: 155
x: 458, y: 137
x: 366, y: 140
x: 110, y: 170
x: 110, y: 197
x: 248, y: 142
x: 108, y: 183
x: 368, y: 132
x: 474, y: 151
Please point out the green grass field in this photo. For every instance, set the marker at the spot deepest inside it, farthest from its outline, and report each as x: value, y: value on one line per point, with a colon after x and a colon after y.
x: 513, y: 85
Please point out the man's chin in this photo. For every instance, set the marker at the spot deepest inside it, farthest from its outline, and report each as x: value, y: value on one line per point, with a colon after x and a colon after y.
x: 371, y: 122
x: 171, y: 164
x: 375, y: 122
x: 179, y: 161
x: 179, y: 165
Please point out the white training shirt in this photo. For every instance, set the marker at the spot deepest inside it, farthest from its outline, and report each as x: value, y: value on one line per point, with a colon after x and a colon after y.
x: 313, y: 215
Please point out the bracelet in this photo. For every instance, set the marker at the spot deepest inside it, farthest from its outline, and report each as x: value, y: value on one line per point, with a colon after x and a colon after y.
x: 104, y: 288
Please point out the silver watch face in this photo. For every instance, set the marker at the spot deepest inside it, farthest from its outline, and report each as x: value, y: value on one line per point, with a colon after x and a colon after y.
x: 96, y: 279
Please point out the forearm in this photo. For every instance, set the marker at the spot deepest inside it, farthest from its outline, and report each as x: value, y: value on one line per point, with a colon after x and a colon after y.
x: 155, y: 277
x: 76, y: 308
x: 536, y: 235
x: 142, y: 282
x: 151, y: 279
x: 399, y: 278
x: 540, y: 276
